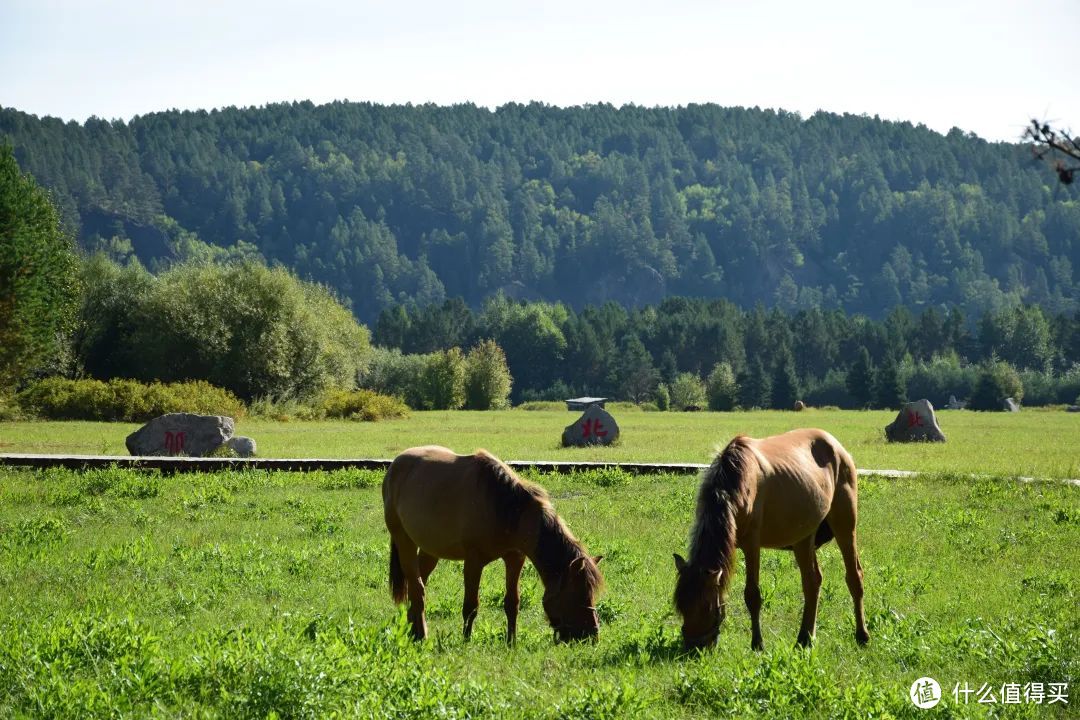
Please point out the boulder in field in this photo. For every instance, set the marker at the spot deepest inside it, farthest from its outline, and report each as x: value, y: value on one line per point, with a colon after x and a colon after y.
x: 241, y: 445
x: 1010, y: 405
x: 955, y: 404
x: 181, y: 434
x: 915, y: 422
x: 799, y: 406
x: 596, y: 426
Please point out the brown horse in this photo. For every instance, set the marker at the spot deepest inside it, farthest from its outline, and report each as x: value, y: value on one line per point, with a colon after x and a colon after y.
x: 793, y: 491
x: 439, y: 505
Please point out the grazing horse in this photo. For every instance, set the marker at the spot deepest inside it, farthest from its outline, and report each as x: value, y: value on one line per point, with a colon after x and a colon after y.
x: 794, y: 491
x: 439, y: 505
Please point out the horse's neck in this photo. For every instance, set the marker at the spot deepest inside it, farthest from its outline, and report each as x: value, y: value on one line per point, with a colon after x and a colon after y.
x: 718, y: 514
x: 553, y: 550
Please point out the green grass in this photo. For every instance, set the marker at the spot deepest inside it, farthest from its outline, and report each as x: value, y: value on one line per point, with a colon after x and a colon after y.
x: 263, y: 595
x: 1038, y: 443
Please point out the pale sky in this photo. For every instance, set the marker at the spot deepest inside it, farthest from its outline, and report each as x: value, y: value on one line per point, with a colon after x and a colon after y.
x: 985, y: 67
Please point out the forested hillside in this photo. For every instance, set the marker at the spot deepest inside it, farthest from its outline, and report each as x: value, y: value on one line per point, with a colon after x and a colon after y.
x: 581, y: 205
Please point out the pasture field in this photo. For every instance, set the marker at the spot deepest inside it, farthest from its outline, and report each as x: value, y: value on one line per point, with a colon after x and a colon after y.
x: 1034, y: 443
x: 265, y: 595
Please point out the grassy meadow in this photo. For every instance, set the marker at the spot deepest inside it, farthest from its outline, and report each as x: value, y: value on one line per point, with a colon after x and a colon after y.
x: 1035, y: 443
x: 254, y: 594
x: 263, y: 595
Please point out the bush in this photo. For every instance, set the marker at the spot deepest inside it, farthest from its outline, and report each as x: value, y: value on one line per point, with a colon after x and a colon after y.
x: 362, y: 405
x: 390, y: 372
x: 832, y: 390
x: 558, y: 392
x: 997, y: 381
x: 125, y: 400
x: 532, y: 405
x: 257, y: 331
x: 687, y: 390
x: 939, y: 378
x: 722, y: 389
x: 442, y: 384
x: 662, y: 397
x: 487, y: 378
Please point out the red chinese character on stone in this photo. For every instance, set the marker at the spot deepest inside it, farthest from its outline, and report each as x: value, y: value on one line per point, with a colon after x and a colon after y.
x: 913, y: 419
x: 174, y: 442
x: 594, y: 426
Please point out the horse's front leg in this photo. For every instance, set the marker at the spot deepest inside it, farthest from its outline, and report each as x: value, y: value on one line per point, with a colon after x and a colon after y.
x: 752, y: 593
x: 474, y: 569
x: 514, y: 563
x: 806, y: 557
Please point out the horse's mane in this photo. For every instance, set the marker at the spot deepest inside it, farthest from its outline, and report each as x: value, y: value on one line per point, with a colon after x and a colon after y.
x: 723, y: 490
x: 556, y: 546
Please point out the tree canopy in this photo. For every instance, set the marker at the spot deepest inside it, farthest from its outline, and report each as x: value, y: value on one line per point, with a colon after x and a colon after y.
x: 38, y: 275
x: 416, y: 204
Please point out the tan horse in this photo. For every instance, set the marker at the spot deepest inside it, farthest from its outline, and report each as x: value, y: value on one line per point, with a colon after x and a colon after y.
x: 793, y: 491
x: 439, y: 505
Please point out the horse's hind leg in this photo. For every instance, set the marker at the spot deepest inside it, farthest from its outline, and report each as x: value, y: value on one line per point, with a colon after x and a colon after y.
x: 854, y: 577
x: 410, y: 567
x: 474, y: 569
x: 752, y: 594
x: 806, y: 556
x: 514, y: 563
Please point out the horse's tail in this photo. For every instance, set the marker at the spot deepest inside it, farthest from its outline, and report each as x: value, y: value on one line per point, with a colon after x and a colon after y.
x: 723, y: 491
x: 397, y: 576
x: 823, y: 535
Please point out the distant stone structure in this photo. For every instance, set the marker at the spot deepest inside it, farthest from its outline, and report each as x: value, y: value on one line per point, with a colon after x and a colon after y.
x: 955, y: 404
x: 595, y: 427
x: 1010, y: 405
x: 915, y: 422
x: 583, y: 403
x: 799, y: 406
x: 181, y: 434
x: 1073, y: 408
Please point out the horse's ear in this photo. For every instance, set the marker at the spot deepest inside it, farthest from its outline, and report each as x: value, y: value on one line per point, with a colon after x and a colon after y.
x: 680, y: 563
x: 596, y: 560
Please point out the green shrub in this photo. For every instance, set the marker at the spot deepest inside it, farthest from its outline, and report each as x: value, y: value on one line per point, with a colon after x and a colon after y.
x: 125, y: 400
x: 362, y: 405
x: 997, y: 381
x: 722, y: 389
x: 9, y: 408
x: 687, y: 390
x: 541, y: 405
x: 391, y: 372
x: 442, y: 382
x: 258, y: 331
x: 662, y: 397
x: 487, y: 377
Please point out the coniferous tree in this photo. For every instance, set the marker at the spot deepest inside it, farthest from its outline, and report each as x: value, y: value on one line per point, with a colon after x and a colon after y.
x: 889, y: 390
x: 860, y: 378
x: 785, y: 386
x: 38, y: 275
x: 754, y: 386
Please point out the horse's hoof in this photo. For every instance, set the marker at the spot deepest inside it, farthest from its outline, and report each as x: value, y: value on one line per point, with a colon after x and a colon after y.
x: 757, y: 646
x: 862, y: 637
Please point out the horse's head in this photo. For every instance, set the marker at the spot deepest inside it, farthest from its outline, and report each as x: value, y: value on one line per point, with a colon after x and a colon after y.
x: 698, y: 600
x: 570, y: 603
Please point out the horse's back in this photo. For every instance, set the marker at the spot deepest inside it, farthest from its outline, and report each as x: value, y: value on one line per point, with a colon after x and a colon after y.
x: 800, y: 472
x: 430, y: 493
